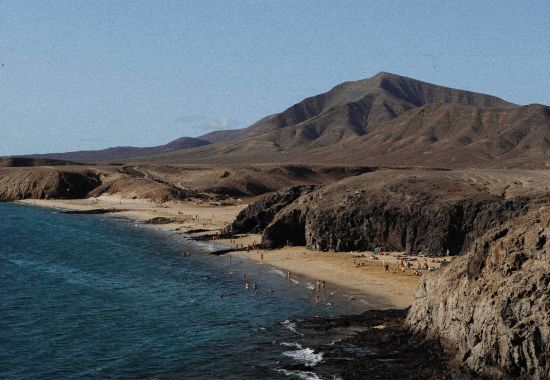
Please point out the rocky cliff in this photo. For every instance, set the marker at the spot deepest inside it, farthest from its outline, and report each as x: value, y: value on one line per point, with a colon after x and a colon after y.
x: 429, y: 212
x: 492, y: 306
x: 46, y: 183
x: 258, y: 215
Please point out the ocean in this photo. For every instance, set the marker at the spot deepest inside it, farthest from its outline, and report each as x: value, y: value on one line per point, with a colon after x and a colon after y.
x: 93, y: 296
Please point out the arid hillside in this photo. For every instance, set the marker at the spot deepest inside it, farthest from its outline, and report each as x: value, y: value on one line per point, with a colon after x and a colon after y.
x: 386, y: 120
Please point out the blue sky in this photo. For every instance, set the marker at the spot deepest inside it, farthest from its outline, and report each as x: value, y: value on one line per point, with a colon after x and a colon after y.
x: 93, y: 74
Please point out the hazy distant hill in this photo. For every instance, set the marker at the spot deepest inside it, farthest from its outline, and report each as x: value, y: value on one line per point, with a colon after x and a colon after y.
x: 123, y: 153
x: 26, y: 161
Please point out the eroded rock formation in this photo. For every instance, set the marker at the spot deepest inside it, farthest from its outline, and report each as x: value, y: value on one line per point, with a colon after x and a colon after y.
x: 259, y: 214
x: 428, y: 212
x: 492, y: 306
x: 46, y: 183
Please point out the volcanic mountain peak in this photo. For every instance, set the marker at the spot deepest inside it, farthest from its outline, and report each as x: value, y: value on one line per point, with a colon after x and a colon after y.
x: 360, y: 106
x: 387, y: 120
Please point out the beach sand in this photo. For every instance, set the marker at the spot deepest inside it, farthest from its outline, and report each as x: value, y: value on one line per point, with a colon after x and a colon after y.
x: 337, y: 269
x: 188, y: 216
x: 340, y: 270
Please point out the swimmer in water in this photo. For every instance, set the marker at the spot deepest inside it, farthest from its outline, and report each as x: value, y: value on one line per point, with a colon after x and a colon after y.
x: 246, y: 286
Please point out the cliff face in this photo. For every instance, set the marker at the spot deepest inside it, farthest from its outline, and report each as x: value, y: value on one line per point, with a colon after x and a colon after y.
x: 258, y: 215
x: 492, y: 306
x: 425, y: 212
x: 46, y: 183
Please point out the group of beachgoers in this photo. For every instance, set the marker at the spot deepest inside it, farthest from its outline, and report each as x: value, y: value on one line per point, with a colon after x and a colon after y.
x: 320, y: 287
x: 249, y: 285
x: 404, y: 263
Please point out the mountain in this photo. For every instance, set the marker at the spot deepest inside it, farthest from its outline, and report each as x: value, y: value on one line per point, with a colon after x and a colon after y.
x: 390, y: 120
x: 453, y: 136
x: 122, y: 153
x: 13, y: 162
x: 385, y: 120
x: 224, y: 135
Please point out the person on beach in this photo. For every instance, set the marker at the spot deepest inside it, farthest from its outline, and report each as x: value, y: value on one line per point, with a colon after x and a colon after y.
x: 262, y: 257
x: 323, y: 285
x: 288, y: 275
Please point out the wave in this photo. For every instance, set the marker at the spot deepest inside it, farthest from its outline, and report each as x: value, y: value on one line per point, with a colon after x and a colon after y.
x: 307, y: 356
x: 305, y: 375
x: 277, y: 271
x: 290, y: 326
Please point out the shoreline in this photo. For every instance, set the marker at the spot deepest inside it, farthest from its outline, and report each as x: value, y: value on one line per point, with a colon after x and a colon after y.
x: 365, y: 285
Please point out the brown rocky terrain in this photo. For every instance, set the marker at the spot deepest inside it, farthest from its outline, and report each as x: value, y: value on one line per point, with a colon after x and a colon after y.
x: 492, y: 306
x: 416, y: 211
x: 256, y: 217
x: 47, y: 183
x: 165, y: 183
x: 452, y: 136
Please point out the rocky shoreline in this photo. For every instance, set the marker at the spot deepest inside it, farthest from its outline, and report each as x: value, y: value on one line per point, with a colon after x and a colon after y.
x: 486, y: 312
x: 376, y: 345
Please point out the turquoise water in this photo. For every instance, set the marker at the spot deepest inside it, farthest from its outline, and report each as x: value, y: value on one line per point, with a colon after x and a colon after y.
x: 87, y: 296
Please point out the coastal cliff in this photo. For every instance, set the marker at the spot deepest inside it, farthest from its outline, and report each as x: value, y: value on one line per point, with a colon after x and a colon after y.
x: 46, y: 184
x: 259, y: 214
x: 416, y: 212
x: 492, y: 306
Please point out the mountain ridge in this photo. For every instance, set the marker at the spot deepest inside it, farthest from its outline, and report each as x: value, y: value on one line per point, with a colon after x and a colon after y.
x: 371, y: 121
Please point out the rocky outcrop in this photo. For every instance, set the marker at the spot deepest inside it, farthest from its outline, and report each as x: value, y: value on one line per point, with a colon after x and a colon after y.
x: 428, y: 212
x: 128, y: 187
x: 258, y: 215
x: 492, y: 306
x: 46, y: 183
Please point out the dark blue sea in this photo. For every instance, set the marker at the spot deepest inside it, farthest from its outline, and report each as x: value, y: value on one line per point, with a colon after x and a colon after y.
x: 88, y: 296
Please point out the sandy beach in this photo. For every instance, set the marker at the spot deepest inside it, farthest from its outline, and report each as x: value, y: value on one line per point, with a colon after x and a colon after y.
x: 353, y: 275
x: 359, y: 276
